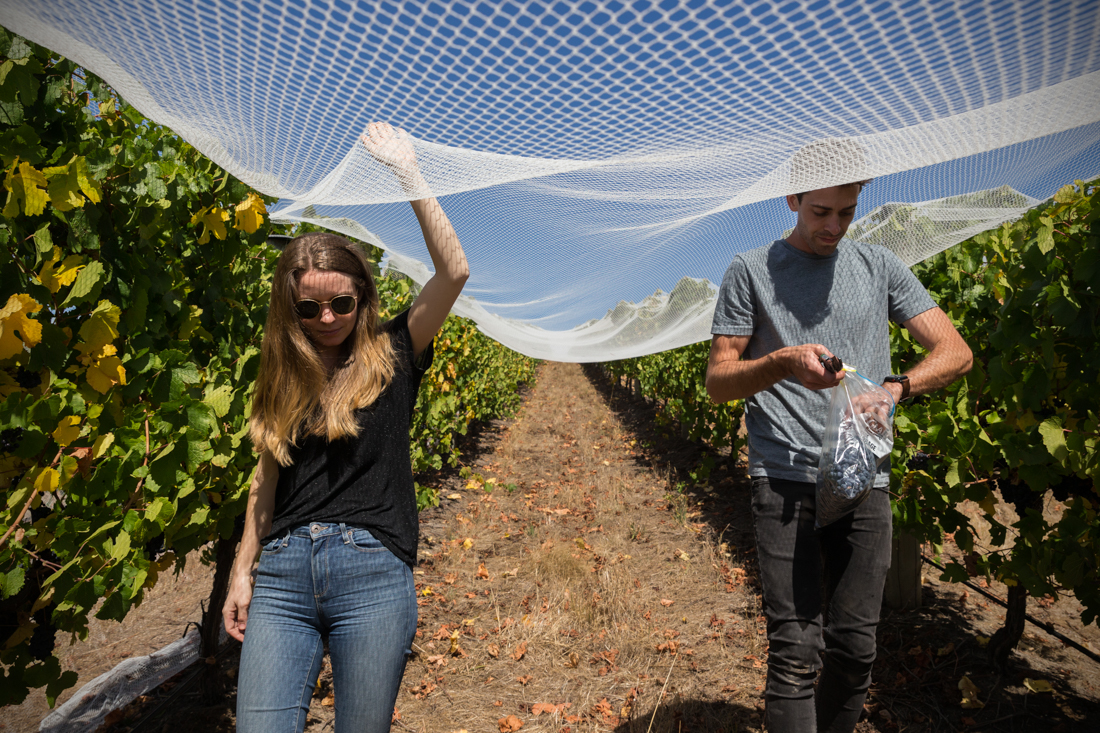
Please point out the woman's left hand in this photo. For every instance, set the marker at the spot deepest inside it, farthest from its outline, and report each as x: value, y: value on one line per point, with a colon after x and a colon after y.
x: 392, y: 147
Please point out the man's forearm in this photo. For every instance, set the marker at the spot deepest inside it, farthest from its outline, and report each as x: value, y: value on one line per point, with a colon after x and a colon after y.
x: 736, y: 380
x: 943, y: 365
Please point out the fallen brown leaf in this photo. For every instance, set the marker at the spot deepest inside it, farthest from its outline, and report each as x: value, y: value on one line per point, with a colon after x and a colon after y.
x: 509, y: 724
x: 520, y: 651
x: 482, y: 572
x: 666, y: 602
x: 494, y: 651
x: 524, y: 679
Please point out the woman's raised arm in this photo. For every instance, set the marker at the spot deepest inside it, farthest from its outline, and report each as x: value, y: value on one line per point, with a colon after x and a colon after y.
x: 394, y: 149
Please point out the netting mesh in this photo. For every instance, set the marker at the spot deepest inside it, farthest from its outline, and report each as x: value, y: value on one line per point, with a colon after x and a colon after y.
x: 604, y: 161
x: 113, y: 690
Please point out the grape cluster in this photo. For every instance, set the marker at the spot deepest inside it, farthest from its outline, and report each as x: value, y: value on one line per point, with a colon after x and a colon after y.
x: 842, y: 484
x: 848, y: 478
x: 919, y: 461
x: 10, y: 439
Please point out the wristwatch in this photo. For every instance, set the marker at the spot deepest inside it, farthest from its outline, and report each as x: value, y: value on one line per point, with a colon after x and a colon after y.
x: 901, y: 379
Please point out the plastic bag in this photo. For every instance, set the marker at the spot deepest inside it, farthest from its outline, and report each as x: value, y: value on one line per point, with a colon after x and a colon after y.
x: 859, y: 437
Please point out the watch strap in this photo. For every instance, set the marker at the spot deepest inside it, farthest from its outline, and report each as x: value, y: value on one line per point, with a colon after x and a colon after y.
x: 901, y: 379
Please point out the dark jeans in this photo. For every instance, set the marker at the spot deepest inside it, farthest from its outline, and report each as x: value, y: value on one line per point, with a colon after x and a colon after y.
x: 847, y: 561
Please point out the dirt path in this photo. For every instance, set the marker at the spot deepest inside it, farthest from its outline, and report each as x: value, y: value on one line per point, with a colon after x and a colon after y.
x: 573, y: 581
x: 576, y: 597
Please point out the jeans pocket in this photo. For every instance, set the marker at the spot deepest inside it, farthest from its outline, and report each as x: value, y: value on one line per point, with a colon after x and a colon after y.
x: 274, y: 547
x: 364, y: 541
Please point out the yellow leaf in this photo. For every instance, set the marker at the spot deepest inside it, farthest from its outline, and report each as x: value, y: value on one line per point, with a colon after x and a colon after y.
x: 8, y: 385
x: 105, y: 373
x: 473, y: 485
x: 1037, y: 685
x: 250, y: 213
x: 16, y: 329
x: 21, y: 634
x: 67, y: 182
x: 969, y: 693
x: 983, y: 641
x: 101, y: 444
x: 192, y: 326
x: 213, y: 219
x: 47, y: 480
x: 943, y: 651
x: 989, y: 504
x: 87, y: 185
x: 54, y: 276
x: 26, y: 191
x: 99, y: 331
x: 68, y: 430
x: 467, y: 544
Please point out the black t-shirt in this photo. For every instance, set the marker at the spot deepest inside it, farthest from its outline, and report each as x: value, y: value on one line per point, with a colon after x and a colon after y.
x: 366, y: 481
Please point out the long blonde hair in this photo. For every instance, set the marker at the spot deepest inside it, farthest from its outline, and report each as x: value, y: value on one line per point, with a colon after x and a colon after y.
x: 294, y: 394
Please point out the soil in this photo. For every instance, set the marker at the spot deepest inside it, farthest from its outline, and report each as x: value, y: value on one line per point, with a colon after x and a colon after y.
x: 575, y: 578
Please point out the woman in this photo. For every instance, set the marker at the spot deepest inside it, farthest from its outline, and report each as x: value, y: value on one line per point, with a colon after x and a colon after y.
x: 331, y: 509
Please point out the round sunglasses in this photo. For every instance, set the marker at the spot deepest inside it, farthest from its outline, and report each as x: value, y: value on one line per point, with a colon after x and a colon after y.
x: 341, y: 305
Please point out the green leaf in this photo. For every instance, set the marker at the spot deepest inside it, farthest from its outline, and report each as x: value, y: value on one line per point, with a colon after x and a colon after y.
x: 1054, y: 437
x: 43, y: 242
x: 952, y: 477
x: 121, y: 546
x: 201, y: 420
x: 1044, y: 237
x: 85, y: 282
x: 114, y: 608
x: 219, y: 399
x: 59, y: 685
x: 13, y: 581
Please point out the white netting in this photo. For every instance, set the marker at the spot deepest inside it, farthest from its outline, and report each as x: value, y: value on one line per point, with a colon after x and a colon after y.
x: 604, y: 161
x: 85, y: 711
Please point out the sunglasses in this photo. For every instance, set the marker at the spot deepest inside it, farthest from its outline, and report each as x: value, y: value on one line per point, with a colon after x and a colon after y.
x: 341, y: 305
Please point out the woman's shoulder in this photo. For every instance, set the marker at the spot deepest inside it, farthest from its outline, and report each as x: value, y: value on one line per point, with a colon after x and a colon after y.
x: 398, y: 330
x: 398, y: 324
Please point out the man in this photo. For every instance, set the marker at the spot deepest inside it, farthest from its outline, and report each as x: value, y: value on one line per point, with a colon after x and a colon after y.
x: 781, y: 308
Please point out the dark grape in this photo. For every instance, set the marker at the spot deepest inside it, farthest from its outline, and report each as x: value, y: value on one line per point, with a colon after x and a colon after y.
x: 10, y: 439
x: 28, y: 380
x: 919, y: 461
x: 842, y: 485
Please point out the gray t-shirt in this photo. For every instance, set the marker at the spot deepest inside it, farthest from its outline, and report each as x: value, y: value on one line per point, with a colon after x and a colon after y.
x: 781, y: 296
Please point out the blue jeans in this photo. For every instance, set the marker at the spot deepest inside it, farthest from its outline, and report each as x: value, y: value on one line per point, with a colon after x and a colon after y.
x: 822, y: 592
x: 325, y: 581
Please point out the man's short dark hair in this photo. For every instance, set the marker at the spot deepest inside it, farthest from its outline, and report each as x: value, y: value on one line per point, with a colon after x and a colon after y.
x: 830, y: 158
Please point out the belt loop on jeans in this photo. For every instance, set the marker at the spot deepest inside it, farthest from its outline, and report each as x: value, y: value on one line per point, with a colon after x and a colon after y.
x: 345, y: 533
x: 286, y: 539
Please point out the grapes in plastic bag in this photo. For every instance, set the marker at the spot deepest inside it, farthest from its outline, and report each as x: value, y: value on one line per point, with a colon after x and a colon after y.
x: 859, y: 436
